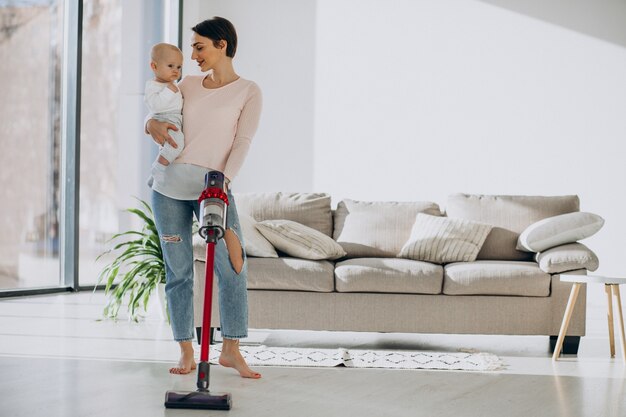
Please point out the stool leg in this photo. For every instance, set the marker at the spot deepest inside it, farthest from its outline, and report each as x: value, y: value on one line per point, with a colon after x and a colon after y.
x: 607, y: 288
x: 621, y: 318
x: 566, y: 317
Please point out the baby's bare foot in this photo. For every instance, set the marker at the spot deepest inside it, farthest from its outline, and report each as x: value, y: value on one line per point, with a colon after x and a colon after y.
x: 233, y: 359
x: 187, y: 363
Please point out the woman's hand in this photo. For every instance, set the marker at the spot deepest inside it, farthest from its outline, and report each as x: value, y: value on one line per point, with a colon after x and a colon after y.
x: 158, y: 131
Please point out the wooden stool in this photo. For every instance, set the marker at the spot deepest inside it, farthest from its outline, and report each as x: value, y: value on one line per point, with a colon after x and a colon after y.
x: 611, y: 286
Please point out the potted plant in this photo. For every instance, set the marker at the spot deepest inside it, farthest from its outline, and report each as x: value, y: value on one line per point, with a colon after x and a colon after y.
x: 139, y: 266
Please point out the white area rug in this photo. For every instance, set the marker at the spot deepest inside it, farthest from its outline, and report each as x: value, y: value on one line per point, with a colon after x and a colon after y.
x: 353, y: 358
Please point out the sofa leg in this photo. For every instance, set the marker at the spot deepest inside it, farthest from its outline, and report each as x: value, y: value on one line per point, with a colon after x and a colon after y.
x: 570, y: 344
x: 211, y: 335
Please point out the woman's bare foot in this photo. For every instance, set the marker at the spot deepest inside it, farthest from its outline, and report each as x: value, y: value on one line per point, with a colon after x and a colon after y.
x: 231, y: 358
x: 186, y: 364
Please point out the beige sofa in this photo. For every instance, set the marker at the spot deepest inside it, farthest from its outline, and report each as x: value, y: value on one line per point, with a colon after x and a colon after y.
x: 505, y: 291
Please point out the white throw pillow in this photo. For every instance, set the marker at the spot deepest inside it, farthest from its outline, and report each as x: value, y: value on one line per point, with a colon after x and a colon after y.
x: 559, y: 230
x: 298, y: 240
x: 443, y: 239
x: 568, y: 257
x: 255, y: 243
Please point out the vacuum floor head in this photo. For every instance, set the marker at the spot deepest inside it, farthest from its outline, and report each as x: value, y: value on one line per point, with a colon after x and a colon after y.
x: 198, y: 400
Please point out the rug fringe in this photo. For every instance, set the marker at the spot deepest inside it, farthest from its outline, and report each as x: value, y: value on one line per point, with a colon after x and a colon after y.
x: 493, y: 362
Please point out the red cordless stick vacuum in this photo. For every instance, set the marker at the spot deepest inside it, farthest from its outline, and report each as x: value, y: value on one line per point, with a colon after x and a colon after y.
x: 213, y: 208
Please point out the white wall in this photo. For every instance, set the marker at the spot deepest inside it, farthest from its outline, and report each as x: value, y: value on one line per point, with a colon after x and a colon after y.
x: 276, y: 49
x: 420, y: 99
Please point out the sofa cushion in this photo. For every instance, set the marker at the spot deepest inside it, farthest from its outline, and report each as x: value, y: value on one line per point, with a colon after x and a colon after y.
x: 496, y: 278
x: 298, y: 240
x: 255, y: 243
x: 509, y: 215
x: 290, y: 274
x: 309, y: 209
x: 568, y: 257
x: 377, y: 229
x: 388, y: 275
x: 559, y: 230
x: 444, y: 239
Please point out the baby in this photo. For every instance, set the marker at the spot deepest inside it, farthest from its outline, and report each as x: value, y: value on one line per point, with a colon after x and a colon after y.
x: 165, y: 102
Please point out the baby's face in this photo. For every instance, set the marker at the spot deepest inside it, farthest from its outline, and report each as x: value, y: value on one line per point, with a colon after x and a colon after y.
x: 168, y: 66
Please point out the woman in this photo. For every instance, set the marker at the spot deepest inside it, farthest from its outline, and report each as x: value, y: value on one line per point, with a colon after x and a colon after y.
x: 220, y: 116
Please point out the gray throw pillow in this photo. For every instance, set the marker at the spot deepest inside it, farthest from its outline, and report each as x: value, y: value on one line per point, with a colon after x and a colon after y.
x: 298, y: 240
x: 443, y: 239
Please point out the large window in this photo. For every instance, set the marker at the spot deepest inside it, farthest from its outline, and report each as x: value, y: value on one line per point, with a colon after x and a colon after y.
x: 31, y: 40
x: 39, y: 154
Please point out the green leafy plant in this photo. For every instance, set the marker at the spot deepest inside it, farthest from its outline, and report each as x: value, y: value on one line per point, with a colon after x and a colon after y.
x: 136, y: 270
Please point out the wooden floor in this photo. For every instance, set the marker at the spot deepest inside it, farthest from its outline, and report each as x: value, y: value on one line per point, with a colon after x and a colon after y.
x: 58, y: 359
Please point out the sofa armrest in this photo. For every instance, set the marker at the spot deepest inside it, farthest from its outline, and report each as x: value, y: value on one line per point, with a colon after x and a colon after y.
x: 567, y: 257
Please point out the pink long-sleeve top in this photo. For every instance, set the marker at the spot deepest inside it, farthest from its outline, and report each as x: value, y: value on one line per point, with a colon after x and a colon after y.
x: 218, y: 125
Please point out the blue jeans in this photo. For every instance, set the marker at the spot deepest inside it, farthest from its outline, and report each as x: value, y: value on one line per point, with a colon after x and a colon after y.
x: 174, y: 219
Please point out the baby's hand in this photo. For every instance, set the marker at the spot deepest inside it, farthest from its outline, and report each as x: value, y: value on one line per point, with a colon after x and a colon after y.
x: 172, y: 87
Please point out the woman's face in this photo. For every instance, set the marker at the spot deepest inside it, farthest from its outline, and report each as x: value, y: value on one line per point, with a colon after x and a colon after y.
x: 204, y: 53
